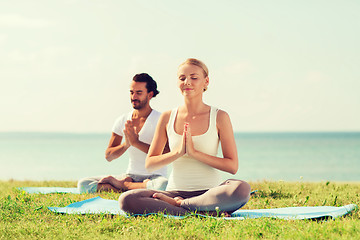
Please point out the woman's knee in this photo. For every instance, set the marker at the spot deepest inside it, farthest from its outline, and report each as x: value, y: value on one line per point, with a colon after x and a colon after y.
x: 129, y: 201
x: 241, y: 189
x: 126, y: 200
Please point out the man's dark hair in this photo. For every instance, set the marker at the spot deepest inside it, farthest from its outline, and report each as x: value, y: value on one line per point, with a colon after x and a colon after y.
x: 151, y: 85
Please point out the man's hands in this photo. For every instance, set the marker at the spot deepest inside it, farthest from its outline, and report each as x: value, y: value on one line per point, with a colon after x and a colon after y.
x: 130, y: 134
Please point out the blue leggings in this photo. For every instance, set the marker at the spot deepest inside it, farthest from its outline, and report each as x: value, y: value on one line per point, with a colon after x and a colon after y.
x: 228, y: 196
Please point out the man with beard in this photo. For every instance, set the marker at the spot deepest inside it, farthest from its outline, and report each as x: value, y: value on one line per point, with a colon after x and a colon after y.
x: 132, y: 132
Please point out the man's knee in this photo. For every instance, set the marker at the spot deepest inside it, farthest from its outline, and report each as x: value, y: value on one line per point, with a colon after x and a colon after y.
x: 87, y: 185
x: 158, y: 183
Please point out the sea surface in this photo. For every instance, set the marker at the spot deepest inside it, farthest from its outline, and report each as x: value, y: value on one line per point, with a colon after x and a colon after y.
x: 302, y: 156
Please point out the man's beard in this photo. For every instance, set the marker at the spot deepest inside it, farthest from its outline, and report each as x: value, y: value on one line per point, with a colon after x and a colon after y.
x: 137, y: 104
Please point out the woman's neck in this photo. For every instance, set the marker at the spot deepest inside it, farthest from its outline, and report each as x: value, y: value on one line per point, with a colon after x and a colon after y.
x: 194, y: 107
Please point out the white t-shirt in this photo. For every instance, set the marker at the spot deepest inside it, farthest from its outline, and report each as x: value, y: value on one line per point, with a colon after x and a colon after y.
x: 146, y: 134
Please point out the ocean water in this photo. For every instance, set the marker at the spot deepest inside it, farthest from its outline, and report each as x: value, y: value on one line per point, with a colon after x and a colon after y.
x: 262, y: 156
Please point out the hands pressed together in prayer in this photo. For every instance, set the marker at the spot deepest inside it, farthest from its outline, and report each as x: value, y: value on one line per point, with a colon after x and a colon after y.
x: 130, y: 134
x: 187, y: 146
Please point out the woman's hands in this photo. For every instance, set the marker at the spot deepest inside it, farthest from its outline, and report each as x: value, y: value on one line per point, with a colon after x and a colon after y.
x: 187, y: 145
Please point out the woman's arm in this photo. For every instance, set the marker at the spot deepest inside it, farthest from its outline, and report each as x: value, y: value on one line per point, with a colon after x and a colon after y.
x: 229, y: 162
x: 156, y: 158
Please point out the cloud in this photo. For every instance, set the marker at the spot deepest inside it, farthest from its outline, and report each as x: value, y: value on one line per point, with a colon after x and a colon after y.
x: 15, y: 20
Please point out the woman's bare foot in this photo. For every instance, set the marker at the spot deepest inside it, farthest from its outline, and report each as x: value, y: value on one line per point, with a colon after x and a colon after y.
x: 173, y: 201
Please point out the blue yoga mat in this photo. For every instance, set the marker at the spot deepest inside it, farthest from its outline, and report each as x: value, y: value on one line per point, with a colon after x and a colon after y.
x: 99, y: 205
x: 46, y: 190
x: 96, y: 205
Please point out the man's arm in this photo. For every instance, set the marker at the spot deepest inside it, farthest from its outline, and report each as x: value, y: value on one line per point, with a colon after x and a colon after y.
x: 116, y: 148
x: 144, y: 146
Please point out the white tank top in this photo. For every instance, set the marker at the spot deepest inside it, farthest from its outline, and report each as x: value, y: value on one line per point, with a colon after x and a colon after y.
x: 190, y: 174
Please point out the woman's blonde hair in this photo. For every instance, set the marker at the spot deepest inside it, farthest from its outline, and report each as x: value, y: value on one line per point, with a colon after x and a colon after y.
x: 196, y: 62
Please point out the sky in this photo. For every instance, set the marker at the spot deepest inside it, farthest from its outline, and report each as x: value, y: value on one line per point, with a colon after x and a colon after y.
x: 66, y: 66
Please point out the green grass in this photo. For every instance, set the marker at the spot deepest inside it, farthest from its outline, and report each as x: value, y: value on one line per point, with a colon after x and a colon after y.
x: 25, y: 216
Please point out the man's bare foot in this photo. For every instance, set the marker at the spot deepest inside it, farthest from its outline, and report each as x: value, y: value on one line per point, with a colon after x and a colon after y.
x: 125, y: 183
x: 173, y: 201
x: 127, y: 179
x: 110, y: 183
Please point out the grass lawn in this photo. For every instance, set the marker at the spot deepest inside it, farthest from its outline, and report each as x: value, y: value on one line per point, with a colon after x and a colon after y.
x: 25, y: 216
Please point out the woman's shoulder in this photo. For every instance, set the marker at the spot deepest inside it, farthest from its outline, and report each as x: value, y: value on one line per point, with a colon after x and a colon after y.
x: 166, y: 113
x: 220, y: 113
x: 165, y: 116
x: 222, y: 116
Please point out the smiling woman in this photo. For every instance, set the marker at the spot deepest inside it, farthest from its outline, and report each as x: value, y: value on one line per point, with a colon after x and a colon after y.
x: 189, y: 72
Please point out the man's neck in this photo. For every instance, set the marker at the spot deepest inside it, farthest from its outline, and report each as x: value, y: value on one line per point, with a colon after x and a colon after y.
x: 142, y: 113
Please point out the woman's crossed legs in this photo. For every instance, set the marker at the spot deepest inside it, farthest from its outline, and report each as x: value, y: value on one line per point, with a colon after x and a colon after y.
x: 227, y: 197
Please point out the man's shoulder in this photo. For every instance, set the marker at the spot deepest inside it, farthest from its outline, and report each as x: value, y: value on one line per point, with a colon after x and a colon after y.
x: 155, y: 112
x: 163, y: 115
x: 155, y: 115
